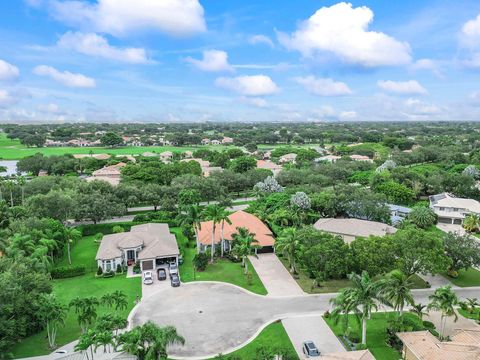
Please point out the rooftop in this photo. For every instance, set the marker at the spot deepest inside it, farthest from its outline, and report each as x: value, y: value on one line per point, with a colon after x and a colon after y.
x: 450, y: 201
x: 354, y: 227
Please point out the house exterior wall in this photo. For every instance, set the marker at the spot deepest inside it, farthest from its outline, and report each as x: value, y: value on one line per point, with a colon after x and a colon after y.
x: 408, y: 354
x: 113, y: 263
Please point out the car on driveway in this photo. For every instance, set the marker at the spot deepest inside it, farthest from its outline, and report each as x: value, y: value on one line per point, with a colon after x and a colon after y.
x: 173, y: 269
x: 162, y: 274
x: 310, y: 349
x: 175, y: 280
x: 148, y: 278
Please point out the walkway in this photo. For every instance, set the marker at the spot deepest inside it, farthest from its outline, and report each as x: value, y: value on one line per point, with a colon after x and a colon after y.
x: 437, y: 281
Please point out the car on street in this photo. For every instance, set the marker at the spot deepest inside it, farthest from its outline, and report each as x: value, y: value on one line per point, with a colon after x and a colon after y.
x: 175, y: 280
x: 310, y: 349
x: 162, y: 274
x: 173, y: 269
x: 148, y: 278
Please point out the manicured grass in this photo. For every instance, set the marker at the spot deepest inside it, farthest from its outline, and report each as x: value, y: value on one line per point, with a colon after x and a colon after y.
x: 82, y: 286
x: 329, y: 286
x: 470, y: 277
x: 376, y: 332
x: 13, y: 150
x: 417, y: 282
x: 475, y: 315
x: 273, y: 336
x: 221, y: 270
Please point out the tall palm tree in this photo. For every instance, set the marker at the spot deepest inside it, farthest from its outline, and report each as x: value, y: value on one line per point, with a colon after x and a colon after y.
x: 192, y: 217
x: 224, y: 219
x: 418, y: 309
x: 53, y: 314
x: 395, y: 290
x: 245, y: 244
x: 72, y: 235
x: 359, y: 299
x: 119, y: 299
x: 288, y: 243
x: 105, y: 339
x: 21, y: 181
x: 86, y: 310
x: 86, y: 341
x: 213, y: 213
x: 444, y: 300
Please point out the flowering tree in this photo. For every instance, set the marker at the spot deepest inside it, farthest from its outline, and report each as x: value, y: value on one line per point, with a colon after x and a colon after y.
x: 387, y: 165
x: 268, y: 186
x: 471, y: 170
x: 300, y: 200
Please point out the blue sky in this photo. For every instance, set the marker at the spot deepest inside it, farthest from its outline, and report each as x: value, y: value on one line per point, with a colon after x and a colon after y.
x: 199, y: 60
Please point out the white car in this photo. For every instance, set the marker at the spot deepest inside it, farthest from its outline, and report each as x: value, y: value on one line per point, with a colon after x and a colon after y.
x: 173, y: 269
x: 148, y: 278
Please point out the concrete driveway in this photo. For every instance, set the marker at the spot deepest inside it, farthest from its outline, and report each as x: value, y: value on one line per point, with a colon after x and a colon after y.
x: 276, y: 279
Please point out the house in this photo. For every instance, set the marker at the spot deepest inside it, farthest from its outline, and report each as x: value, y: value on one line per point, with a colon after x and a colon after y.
x: 422, y: 345
x: 398, y: 213
x: 149, y: 154
x: 227, y: 140
x: 269, y: 165
x: 215, y: 142
x: 349, y: 355
x: 267, y: 155
x: 350, y: 229
x: 205, y: 141
x: 287, y: 158
x: 95, y: 156
x: 166, y: 156
x: 451, y: 209
x: 110, y: 174
x: 205, y: 165
x: 238, y: 219
x: 356, y: 157
x: 188, y: 154
x: 329, y: 158
x: 150, y: 244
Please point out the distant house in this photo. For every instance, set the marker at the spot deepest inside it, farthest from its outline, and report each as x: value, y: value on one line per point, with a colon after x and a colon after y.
x: 356, y: 157
x: 287, y: 158
x: 227, y: 140
x: 350, y: 229
x: 94, y: 156
x: 328, y: 158
x: 110, y: 174
x: 166, y: 156
x: 451, y: 209
x: 52, y: 143
x: 205, y: 141
x: 149, y: 154
x: 398, y: 213
x: 422, y: 345
x: 215, y: 142
x: 188, y: 154
x: 269, y: 165
x: 150, y: 244
x: 238, y: 219
x: 267, y: 155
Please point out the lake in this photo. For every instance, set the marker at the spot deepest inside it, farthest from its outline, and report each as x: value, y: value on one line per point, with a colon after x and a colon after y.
x: 11, y: 166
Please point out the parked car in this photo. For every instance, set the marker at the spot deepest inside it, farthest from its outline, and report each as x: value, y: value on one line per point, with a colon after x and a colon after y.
x: 175, y: 280
x: 173, y: 269
x: 310, y: 349
x: 148, y: 278
x: 162, y: 274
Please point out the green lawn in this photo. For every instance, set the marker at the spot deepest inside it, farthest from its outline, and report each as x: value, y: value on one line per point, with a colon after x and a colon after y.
x: 83, y: 253
x: 376, y: 332
x: 475, y: 315
x: 13, y: 150
x: 273, y: 336
x: 470, y: 277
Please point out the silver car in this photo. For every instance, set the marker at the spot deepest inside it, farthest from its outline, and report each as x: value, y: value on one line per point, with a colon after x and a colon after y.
x: 148, y: 278
x: 173, y: 269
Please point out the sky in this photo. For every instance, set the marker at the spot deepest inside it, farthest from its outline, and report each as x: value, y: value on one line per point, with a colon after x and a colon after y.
x: 239, y: 60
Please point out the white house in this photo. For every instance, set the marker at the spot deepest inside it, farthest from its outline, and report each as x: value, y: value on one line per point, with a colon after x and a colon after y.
x: 451, y: 209
x: 356, y: 157
x: 329, y: 158
x: 287, y: 158
x: 215, y: 142
x: 150, y: 244
x: 166, y: 156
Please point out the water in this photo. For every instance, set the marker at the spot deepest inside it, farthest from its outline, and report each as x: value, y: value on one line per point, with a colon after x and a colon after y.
x: 11, y: 166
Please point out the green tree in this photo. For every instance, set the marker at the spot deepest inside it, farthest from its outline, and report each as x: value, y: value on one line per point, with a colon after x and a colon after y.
x: 374, y: 254
x: 111, y: 139
x: 395, y: 291
x: 418, y: 309
x: 245, y: 244
x: 471, y: 223
x: 191, y: 216
x: 288, y: 243
x: 215, y: 214
x: 72, y: 235
x: 444, y: 300
x: 243, y: 164
x: 53, y: 314
x: 224, y: 218
x: 86, y: 341
x: 463, y: 251
x: 423, y: 217
x: 86, y: 311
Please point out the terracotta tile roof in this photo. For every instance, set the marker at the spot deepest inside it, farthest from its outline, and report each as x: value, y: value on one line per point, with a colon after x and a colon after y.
x: 270, y: 165
x: 239, y: 219
x: 424, y: 346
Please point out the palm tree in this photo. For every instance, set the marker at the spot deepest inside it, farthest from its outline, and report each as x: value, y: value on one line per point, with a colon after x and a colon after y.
x: 213, y: 213
x: 471, y: 223
x: 395, y: 290
x: 289, y: 244
x: 417, y: 309
x: 360, y: 299
x: 119, y: 299
x: 104, y: 338
x: 85, y: 342
x: 53, y: 314
x: 21, y: 181
x: 444, y: 300
x: 72, y: 235
x: 245, y: 243
x: 192, y: 217
x: 224, y: 219
x: 472, y: 303
x: 86, y: 310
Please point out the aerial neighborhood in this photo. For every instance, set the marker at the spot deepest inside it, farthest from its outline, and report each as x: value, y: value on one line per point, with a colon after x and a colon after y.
x: 239, y: 180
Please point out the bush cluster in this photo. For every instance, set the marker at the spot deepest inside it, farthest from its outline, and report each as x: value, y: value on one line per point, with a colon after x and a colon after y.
x: 69, y: 271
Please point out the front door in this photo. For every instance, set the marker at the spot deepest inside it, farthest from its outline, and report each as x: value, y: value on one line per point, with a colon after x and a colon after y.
x: 130, y: 255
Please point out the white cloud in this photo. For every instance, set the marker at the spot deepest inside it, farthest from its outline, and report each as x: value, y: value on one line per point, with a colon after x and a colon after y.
x: 6, y: 98
x: 343, y: 31
x: 261, y: 39
x: 8, y: 71
x: 255, y: 101
x: 254, y: 85
x: 470, y: 34
x: 96, y: 45
x: 347, y: 115
x: 323, y: 86
x: 49, y: 108
x: 417, y: 107
x: 328, y: 113
x: 428, y: 64
x: 410, y: 87
x: 66, y: 78
x: 213, y: 60
x: 34, y: 3
x: 121, y: 17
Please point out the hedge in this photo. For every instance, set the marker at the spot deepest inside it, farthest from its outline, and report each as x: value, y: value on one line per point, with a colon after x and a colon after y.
x: 105, y: 229
x: 69, y: 271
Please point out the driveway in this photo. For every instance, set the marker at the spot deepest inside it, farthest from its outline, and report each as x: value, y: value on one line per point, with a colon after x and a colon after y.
x: 276, y: 279
x: 452, y: 228
x: 157, y: 285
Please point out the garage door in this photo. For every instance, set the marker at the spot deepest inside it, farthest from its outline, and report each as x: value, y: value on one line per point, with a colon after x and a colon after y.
x: 147, y: 265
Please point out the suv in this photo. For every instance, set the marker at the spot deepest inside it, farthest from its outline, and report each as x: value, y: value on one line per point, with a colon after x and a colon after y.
x: 310, y: 349
x: 175, y: 280
x: 173, y: 268
x: 148, y: 278
x: 162, y: 274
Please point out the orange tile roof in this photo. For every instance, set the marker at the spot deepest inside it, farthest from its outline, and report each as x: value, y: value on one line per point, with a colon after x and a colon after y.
x: 239, y: 219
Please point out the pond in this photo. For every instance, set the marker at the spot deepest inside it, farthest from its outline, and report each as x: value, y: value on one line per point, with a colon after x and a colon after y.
x: 11, y: 166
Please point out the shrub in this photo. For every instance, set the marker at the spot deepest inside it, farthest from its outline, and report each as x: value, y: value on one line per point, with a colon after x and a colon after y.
x: 200, y: 261
x: 93, y: 229
x: 361, y: 347
x: 68, y: 271
x: 109, y: 274
x: 136, y: 268
x: 118, y: 229
x: 99, y: 271
x: 429, y: 325
x: 119, y: 268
